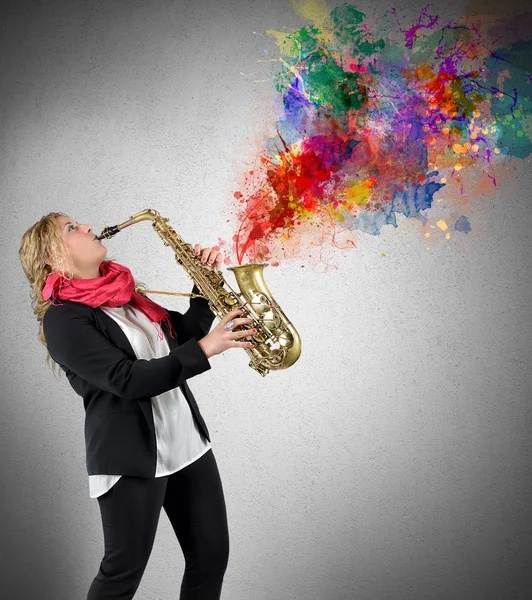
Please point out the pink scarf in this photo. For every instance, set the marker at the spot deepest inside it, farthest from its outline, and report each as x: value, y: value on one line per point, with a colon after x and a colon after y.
x: 114, y: 287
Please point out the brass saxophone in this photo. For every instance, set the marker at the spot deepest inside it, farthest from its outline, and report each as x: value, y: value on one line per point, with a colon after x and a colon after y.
x: 277, y: 343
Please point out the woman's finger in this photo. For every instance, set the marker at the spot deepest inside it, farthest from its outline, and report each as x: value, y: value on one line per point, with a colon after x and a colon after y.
x: 214, y: 256
x: 232, y: 315
x: 218, y: 261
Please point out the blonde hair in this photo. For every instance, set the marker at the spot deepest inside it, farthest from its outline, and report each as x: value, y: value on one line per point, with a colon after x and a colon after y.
x: 40, y: 243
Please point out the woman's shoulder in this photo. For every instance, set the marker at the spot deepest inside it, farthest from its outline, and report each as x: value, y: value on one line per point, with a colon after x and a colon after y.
x: 60, y: 320
x: 66, y: 309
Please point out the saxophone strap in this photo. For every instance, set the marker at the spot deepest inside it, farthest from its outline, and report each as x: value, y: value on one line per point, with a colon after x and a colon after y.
x: 191, y: 294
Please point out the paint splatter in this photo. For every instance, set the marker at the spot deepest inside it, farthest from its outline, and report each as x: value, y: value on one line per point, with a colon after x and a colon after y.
x: 375, y: 122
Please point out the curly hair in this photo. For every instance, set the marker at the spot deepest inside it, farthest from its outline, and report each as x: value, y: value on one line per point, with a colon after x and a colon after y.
x: 41, y: 242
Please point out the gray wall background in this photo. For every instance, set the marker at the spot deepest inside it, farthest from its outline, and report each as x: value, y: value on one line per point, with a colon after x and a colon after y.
x: 392, y: 462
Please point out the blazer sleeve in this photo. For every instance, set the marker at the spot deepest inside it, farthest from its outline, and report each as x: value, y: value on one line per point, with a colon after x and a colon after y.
x: 74, y: 341
x: 196, y: 322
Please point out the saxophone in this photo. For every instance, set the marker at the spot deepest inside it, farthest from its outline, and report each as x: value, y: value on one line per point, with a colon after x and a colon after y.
x: 277, y: 343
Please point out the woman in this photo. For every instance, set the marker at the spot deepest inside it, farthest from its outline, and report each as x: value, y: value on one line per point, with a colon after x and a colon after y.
x: 147, y: 445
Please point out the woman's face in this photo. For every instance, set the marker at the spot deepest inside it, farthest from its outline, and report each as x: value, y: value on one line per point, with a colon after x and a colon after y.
x: 85, y: 252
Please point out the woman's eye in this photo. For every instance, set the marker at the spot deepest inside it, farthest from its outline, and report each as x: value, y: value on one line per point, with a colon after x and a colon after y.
x: 70, y: 227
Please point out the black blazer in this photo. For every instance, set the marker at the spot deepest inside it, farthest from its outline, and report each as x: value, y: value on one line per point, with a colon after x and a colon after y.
x: 116, y: 387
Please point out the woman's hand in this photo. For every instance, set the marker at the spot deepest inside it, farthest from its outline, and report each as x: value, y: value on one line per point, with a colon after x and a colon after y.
x: 212, y: 258
x: 219, y: 339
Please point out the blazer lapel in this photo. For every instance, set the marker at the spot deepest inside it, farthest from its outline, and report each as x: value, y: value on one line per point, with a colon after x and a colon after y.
x: 110, y: 328
x: 113, y: 331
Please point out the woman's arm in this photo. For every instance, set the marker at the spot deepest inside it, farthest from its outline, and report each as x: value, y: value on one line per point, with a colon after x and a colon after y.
x: 74, y: 342
x: 196, y: 322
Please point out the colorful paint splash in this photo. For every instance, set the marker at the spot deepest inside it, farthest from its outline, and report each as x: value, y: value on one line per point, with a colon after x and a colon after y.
x: 374, y: 123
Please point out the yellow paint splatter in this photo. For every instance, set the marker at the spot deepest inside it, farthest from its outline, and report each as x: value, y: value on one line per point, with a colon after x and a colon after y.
x: 442, y: 225
x: 278, y: 35
x: 461, y: 149
x: 313, y: 10
x: 358, y: 192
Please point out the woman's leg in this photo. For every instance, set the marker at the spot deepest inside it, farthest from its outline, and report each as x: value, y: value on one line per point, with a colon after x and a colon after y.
x: 130, y: 512
x: 194, y: 502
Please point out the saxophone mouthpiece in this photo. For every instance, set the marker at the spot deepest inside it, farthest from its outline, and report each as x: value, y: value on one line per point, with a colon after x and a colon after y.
x: 108, y: 232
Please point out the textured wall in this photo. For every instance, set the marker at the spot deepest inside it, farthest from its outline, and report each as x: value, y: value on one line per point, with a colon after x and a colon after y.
x: 392, y: 462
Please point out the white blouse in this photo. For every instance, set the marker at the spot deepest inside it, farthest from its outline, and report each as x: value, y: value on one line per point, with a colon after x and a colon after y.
x: 179, y: 441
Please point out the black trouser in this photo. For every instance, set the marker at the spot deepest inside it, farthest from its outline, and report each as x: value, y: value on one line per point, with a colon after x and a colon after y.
x: 194, y: 502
